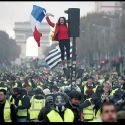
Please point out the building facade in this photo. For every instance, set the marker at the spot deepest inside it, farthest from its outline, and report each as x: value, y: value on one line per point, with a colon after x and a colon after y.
x: 23, y: 31
x: 108, y: 7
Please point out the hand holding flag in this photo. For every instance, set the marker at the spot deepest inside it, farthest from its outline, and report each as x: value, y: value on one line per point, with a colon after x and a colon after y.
x: 37, y: 15
x: 49, y: 14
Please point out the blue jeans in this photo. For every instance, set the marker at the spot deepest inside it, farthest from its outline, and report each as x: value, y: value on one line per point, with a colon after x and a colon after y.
x: 22, y: 120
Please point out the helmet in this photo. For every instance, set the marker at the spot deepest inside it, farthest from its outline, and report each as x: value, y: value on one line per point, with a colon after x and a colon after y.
x: 59, y: 102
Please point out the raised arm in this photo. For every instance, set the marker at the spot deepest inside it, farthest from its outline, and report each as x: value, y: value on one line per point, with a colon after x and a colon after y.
x: 49, y: 21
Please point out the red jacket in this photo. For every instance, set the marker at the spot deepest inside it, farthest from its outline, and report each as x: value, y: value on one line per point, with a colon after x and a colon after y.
x: 61, y: 31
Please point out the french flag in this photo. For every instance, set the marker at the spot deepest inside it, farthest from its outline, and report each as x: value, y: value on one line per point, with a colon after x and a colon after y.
x: 37, y: 15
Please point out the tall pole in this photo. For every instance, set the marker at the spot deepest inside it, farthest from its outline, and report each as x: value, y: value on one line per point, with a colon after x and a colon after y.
x: 74, y: 28
x: 122, y: 24
x: 73, y: 71
x: 98, y: 49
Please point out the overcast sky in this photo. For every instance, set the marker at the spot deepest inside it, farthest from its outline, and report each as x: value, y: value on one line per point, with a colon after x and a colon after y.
x: 11, y: 12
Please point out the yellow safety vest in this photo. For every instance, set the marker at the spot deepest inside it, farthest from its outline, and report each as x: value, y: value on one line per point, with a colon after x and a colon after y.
x: 85, y: 88
x: 11, y: 99
x: 40, y: 87
x: 84, y: 82
x: 41, y: 83
x: 97, y: 115
x: 88, y: 112
x: 113, y: 92
x: 21, y: 112
x: 36, y: 106
x: 65, y: 82
x: 101, y: 81
x: 32, y: 98
x: 16, y: 85
x: 29, y: 83
x: 54, y: 116
x: 7, y: 112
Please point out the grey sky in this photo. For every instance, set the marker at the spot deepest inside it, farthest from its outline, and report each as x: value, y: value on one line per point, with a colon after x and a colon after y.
x: 11, y: 12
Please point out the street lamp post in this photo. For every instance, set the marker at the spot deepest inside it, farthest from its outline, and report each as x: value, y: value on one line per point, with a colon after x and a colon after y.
x: 111, y: 35
x: 98, y: 45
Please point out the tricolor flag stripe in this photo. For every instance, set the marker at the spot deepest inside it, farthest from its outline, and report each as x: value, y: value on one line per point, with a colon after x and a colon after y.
x: 34, y: 23
x: 37, y: 15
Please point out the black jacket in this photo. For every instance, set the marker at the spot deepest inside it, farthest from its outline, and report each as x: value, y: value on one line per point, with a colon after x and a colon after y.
x: 43, y: 112
x: 76, y: 111
x: 25, y: 103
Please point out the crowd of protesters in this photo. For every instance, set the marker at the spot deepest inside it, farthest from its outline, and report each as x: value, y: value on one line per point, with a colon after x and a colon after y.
x: 45, y: 95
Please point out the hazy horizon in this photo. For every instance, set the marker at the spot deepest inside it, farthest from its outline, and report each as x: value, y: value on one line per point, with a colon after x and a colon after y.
x: 11, y: 12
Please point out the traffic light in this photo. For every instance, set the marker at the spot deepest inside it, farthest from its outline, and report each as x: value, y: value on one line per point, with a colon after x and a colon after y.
x: 73, y: 21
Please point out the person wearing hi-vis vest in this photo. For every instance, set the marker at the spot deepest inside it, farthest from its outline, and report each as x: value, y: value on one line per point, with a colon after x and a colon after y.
x: 108, y: 112
x: 23, y: 106
x: 15, y: 93
x: 37, y: 103
x: 107, y: 91
x: 88, y: 112
x: 89, y: 88
x: 60, y: 113
x: 7, y: 110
